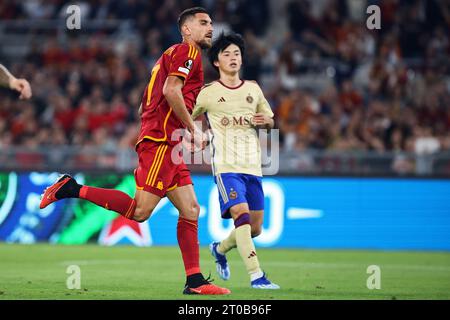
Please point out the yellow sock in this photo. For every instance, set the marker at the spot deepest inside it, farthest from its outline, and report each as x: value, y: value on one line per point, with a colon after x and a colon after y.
x: 228, y: 243
x: 247, y: 249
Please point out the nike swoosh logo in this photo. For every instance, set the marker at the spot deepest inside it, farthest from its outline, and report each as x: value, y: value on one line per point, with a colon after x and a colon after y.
x: 199, y: 291
x: 55, y: 189
x: 50, y: 195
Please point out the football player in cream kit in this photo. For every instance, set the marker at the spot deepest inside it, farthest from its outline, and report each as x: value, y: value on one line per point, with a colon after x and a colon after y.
x: 235, y: 109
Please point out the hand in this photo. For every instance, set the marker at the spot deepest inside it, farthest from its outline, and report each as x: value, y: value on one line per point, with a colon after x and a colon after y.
x: 195, y: 140
x: 261, y: 120
x: 22, y: 86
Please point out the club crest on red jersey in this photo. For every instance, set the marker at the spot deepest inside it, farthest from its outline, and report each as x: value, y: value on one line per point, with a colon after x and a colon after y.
x: 188, y: 64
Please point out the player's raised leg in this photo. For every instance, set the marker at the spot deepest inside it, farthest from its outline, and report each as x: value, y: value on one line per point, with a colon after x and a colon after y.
x: 140, y: 208
x: 146, y: 197
x: 184, y: 199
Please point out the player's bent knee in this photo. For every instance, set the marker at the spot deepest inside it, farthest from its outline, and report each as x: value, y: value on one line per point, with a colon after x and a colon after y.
x: 141, y: 215
x: 256, y: 230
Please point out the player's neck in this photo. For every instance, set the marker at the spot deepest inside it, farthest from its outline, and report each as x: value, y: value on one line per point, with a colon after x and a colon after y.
x: 192, y: 43
x: 230, y: 80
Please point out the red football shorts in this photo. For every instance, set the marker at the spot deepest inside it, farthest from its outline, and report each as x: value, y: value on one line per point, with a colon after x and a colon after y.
x: 160, y: 169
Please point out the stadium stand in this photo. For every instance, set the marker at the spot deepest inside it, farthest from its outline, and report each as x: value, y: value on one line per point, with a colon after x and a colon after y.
x: 347, y: 99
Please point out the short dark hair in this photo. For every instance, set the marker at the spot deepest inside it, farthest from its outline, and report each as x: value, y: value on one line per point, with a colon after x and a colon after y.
x: 189, y: 13
x: 221, y: 43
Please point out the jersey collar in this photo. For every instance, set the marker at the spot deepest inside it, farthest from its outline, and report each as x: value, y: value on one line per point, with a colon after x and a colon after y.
x: 232, y: 88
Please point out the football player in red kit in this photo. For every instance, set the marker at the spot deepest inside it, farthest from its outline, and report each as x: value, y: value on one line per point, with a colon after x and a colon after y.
x: 167, y: 102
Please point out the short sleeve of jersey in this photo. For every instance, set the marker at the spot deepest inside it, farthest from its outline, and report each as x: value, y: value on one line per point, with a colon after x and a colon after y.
x: 182, y: 61
x: 201, y: 105
x: 263, y: 105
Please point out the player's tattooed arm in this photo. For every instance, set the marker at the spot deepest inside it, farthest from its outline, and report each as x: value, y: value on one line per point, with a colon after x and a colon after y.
x: 20, y: 85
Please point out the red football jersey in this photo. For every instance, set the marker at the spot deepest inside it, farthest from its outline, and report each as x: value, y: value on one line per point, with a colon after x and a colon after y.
x: 158, y: 119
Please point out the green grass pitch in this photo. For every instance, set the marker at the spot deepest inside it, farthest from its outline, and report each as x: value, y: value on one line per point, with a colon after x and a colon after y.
x: 39, y: 272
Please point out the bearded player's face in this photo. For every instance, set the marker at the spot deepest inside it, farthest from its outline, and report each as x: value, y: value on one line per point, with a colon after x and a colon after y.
x: 201, y: 30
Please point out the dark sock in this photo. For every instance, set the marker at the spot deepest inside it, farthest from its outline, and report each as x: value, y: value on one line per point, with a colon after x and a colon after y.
x: 195, y: 280
x: 70, y: 190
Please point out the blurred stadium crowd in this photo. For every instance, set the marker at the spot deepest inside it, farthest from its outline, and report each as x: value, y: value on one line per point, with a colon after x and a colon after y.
x: 333, y: 83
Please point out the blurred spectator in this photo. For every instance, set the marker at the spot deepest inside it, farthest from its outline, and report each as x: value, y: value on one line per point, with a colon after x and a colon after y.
x: 333, y: 84
x: 425, y: 142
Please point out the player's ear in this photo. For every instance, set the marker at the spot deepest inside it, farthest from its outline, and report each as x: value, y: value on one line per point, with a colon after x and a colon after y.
x: 216, y: 63
x: 185, y: 30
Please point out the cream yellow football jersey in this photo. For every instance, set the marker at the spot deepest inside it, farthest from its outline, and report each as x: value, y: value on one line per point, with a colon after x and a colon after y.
x: 234, y: 140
